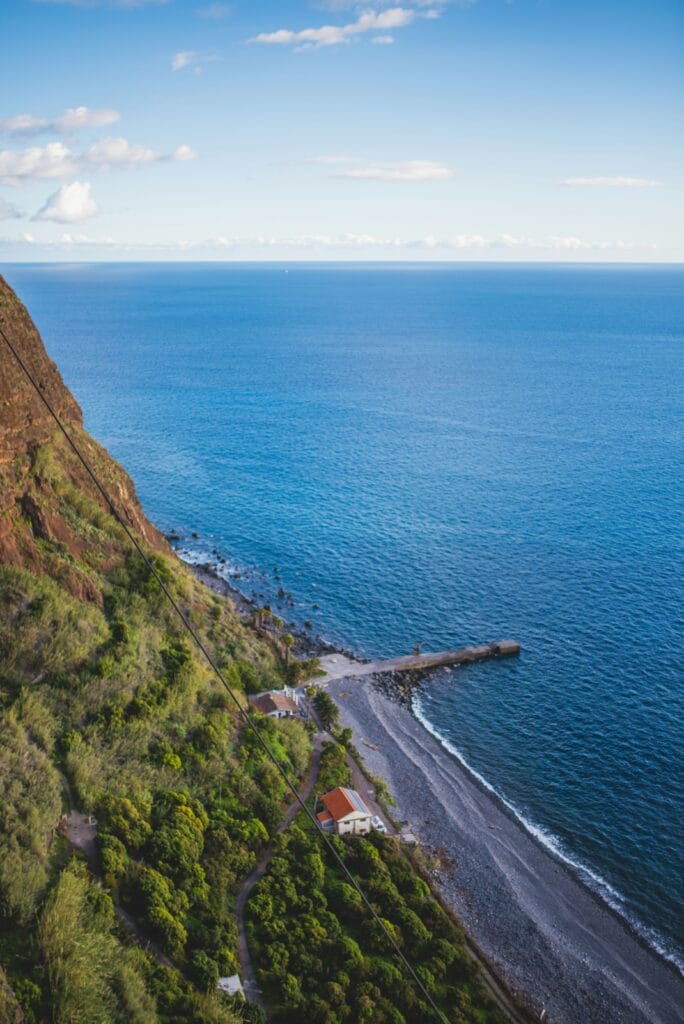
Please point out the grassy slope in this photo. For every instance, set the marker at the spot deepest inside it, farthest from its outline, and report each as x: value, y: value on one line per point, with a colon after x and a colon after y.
x: 107, y: 694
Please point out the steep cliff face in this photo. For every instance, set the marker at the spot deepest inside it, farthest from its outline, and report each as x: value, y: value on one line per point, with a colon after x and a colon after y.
x: 52, y: 517
x: 24, y: 420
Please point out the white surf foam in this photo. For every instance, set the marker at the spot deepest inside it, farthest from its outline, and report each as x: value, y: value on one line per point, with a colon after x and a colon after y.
x: 592, y: 879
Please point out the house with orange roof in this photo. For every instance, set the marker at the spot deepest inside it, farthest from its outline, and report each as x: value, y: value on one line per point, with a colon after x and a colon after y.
x: 277, y: 703
x: 346, y: 812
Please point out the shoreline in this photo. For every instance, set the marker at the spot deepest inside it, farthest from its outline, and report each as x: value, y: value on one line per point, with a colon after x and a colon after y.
x: 545, y: 935
x: 555, y: 944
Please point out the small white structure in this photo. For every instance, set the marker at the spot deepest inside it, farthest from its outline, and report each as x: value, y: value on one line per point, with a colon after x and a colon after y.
x: 346, y: 812
x: 277, y: 703
x: 231, y: 986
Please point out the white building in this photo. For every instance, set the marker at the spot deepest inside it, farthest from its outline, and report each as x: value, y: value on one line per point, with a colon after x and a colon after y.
x: 346, y: 812
x: 277, y: 703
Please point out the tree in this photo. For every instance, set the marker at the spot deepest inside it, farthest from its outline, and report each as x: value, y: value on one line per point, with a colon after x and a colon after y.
x: 326, y: 709
x: 204, y: 971
x: 288, y: 642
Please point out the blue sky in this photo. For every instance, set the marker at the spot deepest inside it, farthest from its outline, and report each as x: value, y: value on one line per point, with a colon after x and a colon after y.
x: 410, y: 129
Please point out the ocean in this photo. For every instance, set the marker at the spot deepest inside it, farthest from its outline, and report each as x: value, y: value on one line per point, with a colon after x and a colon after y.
x: 434, y: 454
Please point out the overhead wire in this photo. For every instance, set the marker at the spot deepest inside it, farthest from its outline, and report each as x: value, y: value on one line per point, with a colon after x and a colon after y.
x: 244, y: 715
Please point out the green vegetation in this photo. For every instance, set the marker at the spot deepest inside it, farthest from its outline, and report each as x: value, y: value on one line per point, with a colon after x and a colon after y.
x: 326, y: 709
x: 322, y: 958
x: 333, y: 770
x: 107, y: 705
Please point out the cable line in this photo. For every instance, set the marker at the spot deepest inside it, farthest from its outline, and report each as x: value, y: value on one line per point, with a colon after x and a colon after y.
x: 244, y: 715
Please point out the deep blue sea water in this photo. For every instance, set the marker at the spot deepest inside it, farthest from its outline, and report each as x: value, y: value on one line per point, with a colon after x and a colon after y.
x: 435, y: 454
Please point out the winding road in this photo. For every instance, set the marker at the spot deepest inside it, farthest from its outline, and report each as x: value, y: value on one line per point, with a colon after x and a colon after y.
x: 249, y: 981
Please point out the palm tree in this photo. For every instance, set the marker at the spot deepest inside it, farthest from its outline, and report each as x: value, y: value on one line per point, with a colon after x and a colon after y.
x: 288, y: 642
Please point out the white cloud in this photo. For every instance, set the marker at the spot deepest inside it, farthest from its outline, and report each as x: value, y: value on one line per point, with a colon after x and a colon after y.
x: 182, y: 59
x: 71, y: 204
x: 58, y: 161
x: 192, y: 59
x: 71, y: 120
x: 345, y: 5
x: 611, y: 182
x: 52, y: 161
x: 410, y: 170
x: 334, y: 35
x: 350, y: 245
x: 77, y: 238
x: 76, y: 119
x: 382, y: 40
x: 125, y: 4
x: 184, y: 153
x: 8, y: 211
x: 216, y: 11
x: 23, y: 124
x: 568, y: 243
x: 119, y: 152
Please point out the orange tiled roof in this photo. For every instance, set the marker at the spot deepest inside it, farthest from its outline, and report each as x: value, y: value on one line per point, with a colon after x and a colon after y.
x: 324, y: 816
x: 269, y: 702
x: 341, y: 801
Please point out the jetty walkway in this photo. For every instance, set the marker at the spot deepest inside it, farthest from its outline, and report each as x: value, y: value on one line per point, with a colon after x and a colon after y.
x: 339, y: 666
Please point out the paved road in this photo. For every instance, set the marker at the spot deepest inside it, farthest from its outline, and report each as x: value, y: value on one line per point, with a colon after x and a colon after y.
x: 249, y: 981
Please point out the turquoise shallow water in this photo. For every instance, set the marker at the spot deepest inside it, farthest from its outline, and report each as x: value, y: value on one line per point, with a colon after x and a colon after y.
x: 435, y: 454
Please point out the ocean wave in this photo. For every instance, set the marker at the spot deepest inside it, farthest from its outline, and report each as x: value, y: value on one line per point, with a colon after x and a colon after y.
x: 591, y: 878
x: 196, y: 556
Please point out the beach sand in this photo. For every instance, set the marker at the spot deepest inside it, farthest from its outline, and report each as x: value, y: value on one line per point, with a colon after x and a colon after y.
x: 552, y: 942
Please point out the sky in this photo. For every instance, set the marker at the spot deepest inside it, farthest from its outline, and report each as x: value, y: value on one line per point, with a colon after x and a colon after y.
x: 545, y: 130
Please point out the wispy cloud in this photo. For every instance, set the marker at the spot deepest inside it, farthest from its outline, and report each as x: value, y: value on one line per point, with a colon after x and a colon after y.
x: 216, y: 11
x: 67, y: 238
x: 410, y: 170
x: 610, y: 183
x: 458, y: 246
x: 78, y: 238
x: 72, y: 120
x: 119, y: 152
x: 364, y: 5
x: 192, y: 59
x: 123, y: 4
x: 107, y: 153
x: 8, y: 211
x: 71, y: 204
x: 76, y: 119
x: 332, y: 158
x: 58, y: 161
x: 334, y: 35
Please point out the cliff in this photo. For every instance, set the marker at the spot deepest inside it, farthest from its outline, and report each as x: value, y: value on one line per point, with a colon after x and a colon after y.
x: 106, y: 709
x: 52, y: 518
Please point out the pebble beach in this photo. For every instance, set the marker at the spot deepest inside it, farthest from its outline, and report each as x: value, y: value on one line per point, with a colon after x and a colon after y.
x: 560, y: 950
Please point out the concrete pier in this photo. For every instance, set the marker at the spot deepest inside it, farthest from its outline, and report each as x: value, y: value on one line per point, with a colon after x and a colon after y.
x: 338, y: 666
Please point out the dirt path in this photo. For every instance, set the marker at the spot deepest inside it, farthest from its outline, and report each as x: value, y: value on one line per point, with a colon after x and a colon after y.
x: 249, y: 981
x: 81, y: 831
